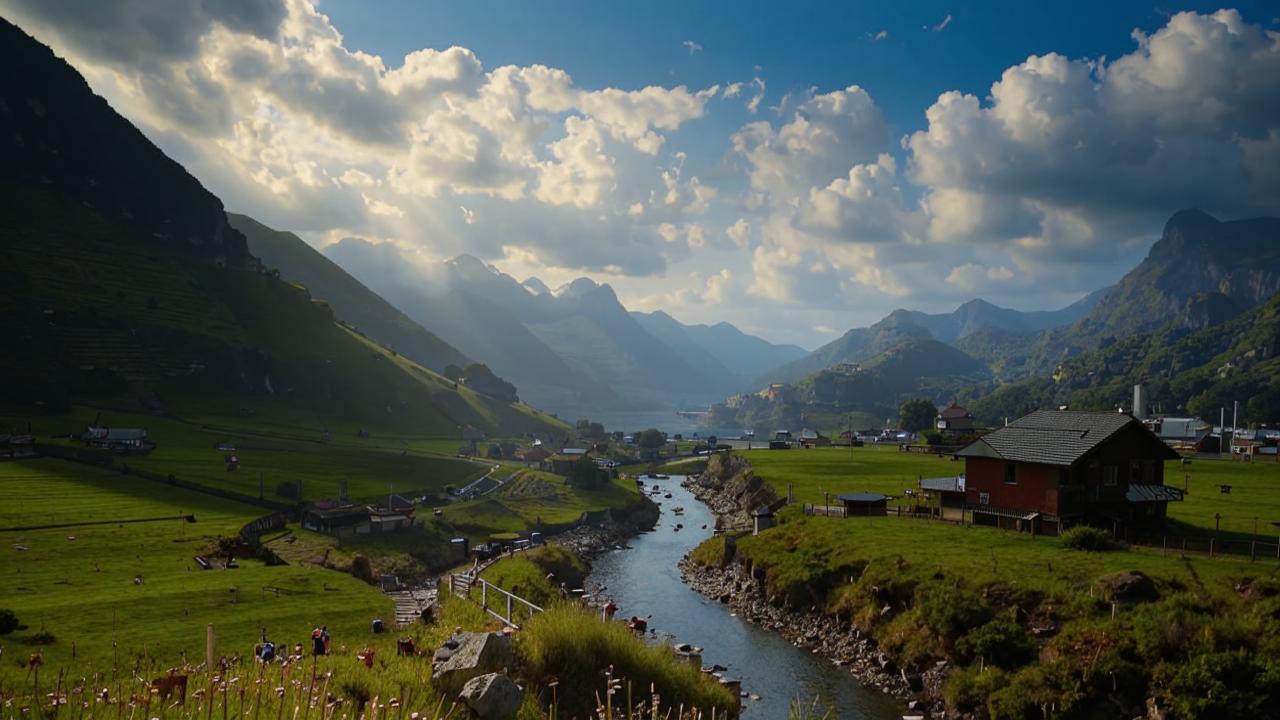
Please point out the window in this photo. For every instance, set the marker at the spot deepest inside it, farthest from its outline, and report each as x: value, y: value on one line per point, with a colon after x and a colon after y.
x: 1110, y: 475
x: 984, y: 498
x: 1010, y: 474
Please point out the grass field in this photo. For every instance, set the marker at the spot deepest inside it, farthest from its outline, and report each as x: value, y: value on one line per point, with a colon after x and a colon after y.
x: 1255, y: 491
x: 77, y: 583
x: 275, y: 449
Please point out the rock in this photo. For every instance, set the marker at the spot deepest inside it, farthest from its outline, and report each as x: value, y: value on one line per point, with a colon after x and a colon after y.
x: 1130, y: 585
x: 477, y: 654
x: 493, y: 696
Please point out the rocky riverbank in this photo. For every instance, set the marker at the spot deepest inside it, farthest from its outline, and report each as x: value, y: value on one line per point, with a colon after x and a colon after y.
x: 590, y: 539
x: 810, y: 630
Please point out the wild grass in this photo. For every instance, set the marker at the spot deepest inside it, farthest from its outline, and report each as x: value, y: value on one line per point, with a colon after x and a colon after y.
x: 571, y: 655
x: 536, y: 575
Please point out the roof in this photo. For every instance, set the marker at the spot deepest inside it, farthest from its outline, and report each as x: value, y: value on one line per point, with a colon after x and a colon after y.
x: 955, y: 411
x: 1054, y: 437
x: 126, y: 434
x: 945, y: 484
x: 1152, y: 493
x: 861, y: 498
x: 574, y: 451
x: 762, y: 511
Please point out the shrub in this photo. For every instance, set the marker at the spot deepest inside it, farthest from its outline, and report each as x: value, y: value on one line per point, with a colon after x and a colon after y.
x: 362, y: 568
x: 8, y: 621
x: 1226, y: 685
x: 967, y: 690
x: 712, y: 552
x: 1083, y: 537
x: 999, y: 642
x: 1169, y: 630
x: 951, y: 612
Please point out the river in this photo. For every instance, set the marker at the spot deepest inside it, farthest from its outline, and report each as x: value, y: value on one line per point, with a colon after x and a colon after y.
x: 644, y: 580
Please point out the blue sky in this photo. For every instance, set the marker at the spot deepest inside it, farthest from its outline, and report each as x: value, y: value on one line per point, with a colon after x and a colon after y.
x: 795, y: 168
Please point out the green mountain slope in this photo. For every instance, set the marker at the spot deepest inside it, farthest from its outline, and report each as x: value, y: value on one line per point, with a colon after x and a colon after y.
x: 353, y: 303
x: 855, y: 346
x: 869, y: 392
x: 1186, y: 370
x: 123, y: 283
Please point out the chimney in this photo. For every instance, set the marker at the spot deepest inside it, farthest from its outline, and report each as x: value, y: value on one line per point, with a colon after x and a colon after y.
x: 1140, y: 402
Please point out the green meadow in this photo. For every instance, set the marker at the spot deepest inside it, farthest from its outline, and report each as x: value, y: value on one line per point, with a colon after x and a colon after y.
x: 77, y: 583
x: 817, y: 472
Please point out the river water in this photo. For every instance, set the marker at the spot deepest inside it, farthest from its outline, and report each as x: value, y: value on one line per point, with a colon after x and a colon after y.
x: 644, y: 580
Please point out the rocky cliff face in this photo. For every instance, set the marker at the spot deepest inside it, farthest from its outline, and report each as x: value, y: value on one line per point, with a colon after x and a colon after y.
x: 731, y: 490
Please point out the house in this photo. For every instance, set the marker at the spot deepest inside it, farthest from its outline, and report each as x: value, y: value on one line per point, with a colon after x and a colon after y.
x: 127, y: 441
x: 784, y: 435
x: 774, y: 392
x: 949, y: 494
x: 561, y: 464
x: 385, y: 521
x: 1179, y: 432
x: 535, y: 454
x: 954, y: 420
x: 1053, y: 469
x: 340, y: 522
x: 864, y: 504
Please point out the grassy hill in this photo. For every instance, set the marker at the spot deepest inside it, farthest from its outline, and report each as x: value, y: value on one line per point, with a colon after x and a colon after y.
x: 124, y: 285
x: 863, y: 395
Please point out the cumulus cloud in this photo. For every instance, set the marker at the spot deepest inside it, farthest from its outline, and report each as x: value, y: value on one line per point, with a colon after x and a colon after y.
x: 1066, y: 168
x: 1072, y: 155
x: 266, y: 97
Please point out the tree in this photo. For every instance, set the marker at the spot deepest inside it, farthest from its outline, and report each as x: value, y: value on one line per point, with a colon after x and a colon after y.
x: 590, y: 430
x: 917, y: 414
x: 651, y: 439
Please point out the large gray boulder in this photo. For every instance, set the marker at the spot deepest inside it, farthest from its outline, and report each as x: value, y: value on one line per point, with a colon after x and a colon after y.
x: 493, y: 696
x: 468, y: 655
x: 1128, y: 586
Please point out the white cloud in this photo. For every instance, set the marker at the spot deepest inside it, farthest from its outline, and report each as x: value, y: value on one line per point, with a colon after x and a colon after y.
x: 692, y: 46
x: 946, y: 22
x: 740, y: 233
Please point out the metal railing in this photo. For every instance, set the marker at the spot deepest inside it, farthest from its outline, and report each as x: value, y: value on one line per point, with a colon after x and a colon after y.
x: 510, y: 606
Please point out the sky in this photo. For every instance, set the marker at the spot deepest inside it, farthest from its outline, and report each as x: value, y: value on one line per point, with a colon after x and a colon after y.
x: 795, y: 168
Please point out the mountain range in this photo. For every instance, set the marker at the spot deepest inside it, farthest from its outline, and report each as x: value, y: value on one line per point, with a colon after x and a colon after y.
x: 1195, y: 320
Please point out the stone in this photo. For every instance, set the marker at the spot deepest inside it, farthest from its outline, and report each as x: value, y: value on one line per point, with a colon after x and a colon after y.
x: 492, y: 696
x: 476, y: 654
x: 1130, y: 585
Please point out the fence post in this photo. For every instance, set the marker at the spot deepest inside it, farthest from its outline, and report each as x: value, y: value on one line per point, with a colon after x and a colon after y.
x: 510, y: 618
x: 484, y: 594
x: 1253, y: 550
x: 1210, y: 547
x: 1164, y: 545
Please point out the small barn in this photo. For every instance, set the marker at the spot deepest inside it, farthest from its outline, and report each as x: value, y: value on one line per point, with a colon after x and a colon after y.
x: 864, y: 504
x: 339, y: 522
x: 945, y: 495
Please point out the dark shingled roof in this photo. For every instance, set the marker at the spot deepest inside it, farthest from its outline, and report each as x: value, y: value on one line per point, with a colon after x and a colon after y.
x: 861, y: 498
x: 1050, y: 437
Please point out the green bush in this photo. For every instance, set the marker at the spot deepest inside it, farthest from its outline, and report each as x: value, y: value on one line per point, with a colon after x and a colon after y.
x: 1083, y: 537
x: 1171, y: 629
x: 1226, y: 685
x: 951, y: 612
x: 967, y: 690
x: 8, y: 621
x: 999, y: 642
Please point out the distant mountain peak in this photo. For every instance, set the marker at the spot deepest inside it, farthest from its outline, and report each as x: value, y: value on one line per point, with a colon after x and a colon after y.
x: 471, y: 263
x: 577, y: 288
x: 536, y: 286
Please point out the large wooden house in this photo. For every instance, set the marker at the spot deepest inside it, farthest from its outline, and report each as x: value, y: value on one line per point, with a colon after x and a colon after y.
x: 1054, y: 469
